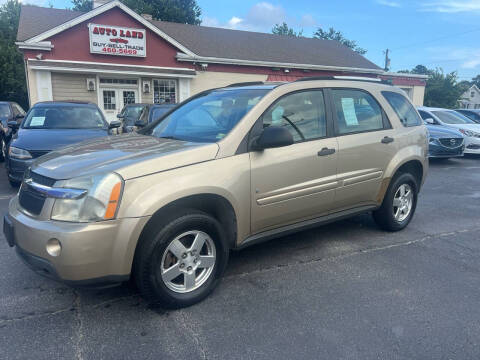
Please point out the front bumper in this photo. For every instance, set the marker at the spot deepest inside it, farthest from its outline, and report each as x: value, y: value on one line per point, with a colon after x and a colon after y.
x: 92, y: 254
x: 472, y: 145
x: 440, y: 151
x: 16, y: 168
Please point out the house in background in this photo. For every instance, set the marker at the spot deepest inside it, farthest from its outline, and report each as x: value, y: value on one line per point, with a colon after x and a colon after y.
x: 113, y: 56
x: 470, y: 99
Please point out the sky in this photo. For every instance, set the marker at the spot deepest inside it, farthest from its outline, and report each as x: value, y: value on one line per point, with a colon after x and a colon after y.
x: 434, y: 33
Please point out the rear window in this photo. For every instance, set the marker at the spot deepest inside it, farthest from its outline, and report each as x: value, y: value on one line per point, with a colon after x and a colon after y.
x: 64, y: 117
x: 452, y: 117
x: 403, y: 108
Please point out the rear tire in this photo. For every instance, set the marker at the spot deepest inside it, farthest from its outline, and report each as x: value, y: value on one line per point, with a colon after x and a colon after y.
x: 169, y: 248
x: 399, y: 203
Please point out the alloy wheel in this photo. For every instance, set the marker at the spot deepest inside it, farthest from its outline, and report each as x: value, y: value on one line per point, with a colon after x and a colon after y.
x: 402, y: 202
x: 188, y: 261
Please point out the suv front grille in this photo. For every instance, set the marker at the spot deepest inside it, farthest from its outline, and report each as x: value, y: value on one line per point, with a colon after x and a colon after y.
x: 31, y: 200
x: 451, y: 142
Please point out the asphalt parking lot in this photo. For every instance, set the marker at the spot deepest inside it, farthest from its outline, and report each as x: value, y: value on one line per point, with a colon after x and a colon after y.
x: 344, y: 291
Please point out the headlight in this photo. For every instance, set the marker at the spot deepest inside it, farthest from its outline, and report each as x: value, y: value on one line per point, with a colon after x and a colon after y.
x: 18, y: 153
x: 99, y: 203
x: 469, y: 133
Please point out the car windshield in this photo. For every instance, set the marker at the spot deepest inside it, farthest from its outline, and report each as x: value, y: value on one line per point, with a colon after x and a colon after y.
x: 209, y: 117
x: 158, y: 112
x: 64, y: 117
x: 452, y: 117
x: 4, y: 110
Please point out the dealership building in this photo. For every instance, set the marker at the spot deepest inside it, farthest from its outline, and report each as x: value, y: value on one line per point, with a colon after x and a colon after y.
x: 113, y: 56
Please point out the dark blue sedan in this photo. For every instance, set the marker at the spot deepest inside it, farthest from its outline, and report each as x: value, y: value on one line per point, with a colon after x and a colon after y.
x: 49, y: 126
x: 444, y: 143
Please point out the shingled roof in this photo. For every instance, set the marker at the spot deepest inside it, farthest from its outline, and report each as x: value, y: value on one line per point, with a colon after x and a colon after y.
x: 218, y: 42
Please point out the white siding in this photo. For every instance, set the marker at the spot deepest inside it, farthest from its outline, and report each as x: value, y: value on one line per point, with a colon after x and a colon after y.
x: 72, y: 87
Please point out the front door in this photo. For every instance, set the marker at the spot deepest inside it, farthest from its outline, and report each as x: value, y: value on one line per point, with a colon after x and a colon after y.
x: 113, y: 101
x: 297, y: 182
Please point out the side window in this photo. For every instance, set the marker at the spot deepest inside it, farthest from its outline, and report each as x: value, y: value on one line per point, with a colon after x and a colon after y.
x: 302, y: 113
x: 357, y: 111
x: 15, y: 110
x: 19, y: 108
x: 403, y: 108
x: 426, y: 115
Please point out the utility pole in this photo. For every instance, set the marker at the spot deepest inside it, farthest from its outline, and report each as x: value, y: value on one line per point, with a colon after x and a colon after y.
x: 387, y: 60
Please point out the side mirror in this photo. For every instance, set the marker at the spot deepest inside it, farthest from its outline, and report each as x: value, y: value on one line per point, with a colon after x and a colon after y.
x: 19, y: 116
x: 273, y: 137
x: 430, y: 121
x: 140, y: 123
x: 13, y: 125
x: 120, y: 116
x: 114, y: 124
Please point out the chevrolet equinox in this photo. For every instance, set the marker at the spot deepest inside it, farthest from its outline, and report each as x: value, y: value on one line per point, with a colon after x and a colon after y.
x: 228, y: 168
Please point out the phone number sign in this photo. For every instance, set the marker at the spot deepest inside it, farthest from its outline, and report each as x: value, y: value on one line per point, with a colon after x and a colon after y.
x: 116, y: 40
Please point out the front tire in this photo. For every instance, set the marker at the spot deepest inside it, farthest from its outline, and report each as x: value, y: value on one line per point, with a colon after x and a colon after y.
x: 181, y: 260
x: 399, y: 203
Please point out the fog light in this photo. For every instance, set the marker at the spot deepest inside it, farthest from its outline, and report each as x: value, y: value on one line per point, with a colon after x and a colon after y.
x: 54, y: 247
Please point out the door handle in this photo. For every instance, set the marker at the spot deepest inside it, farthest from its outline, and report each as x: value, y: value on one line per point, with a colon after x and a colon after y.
x: 387, y: 140
x: 326, y: 151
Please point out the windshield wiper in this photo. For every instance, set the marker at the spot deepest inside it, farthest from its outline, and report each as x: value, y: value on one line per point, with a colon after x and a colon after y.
x: 170, y: 138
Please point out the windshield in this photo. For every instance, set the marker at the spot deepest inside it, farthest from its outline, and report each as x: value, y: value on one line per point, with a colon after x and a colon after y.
x: 132, y: 113
x: 208, y: 118
x: 452, y: 117
x: 158, y: 112
x: 64, y: 117
x: 4, y: 110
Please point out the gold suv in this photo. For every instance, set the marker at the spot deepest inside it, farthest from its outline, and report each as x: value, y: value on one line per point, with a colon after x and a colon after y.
x: 226, y: 169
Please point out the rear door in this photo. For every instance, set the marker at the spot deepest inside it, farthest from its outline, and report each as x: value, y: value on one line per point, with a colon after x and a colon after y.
x: 297, y: 182
x: 366, y: 143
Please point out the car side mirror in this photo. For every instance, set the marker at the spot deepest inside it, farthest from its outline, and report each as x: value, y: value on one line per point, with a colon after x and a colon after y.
x: 430, y: 121
x: 13, y: 125
x: 273, y: 137
x: 120, y: 116
x: 114, y: 124
x: 140, y: 123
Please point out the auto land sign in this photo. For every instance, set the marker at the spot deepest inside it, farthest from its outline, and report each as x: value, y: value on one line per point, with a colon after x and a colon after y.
x: 116, y: 40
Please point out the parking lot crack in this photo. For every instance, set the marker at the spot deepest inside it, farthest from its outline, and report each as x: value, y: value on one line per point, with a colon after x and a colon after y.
x: 185, y: 323
x: 79, y: 335
x: 356, y: 252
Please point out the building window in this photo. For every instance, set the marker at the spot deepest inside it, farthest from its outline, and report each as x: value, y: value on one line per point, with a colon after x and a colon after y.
x: 119, y: 81
x: 109, y: 99
x: 164, y: 91
x: 472, y: 94
x: 129, y: 97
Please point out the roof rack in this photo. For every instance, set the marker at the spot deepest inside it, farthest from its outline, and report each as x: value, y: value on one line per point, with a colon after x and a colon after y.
x: 247, y: 83
x: 349, y: 78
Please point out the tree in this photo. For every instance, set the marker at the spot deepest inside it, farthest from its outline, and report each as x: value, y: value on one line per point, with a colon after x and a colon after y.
x: 180, y: 11
x: 476, y: 81
x: 285, y: 30
x: 336, y: 35
x: 12, y: 71
x: 442, y: 90
x: 82, y: 5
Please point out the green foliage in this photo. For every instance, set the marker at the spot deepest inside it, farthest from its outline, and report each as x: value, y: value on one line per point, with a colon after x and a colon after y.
x: 82, y: 5
x: 336, y: 35
x: 283, y: 29
x: 180, y: 11
x: 12, y: 70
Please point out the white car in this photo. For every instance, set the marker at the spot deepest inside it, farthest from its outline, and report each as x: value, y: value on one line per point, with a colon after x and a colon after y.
x: 454, y: 120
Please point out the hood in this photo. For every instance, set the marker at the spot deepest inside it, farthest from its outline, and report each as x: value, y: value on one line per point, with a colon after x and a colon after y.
x: 473, y: 127
x: 437, y: 131
x: 51, y: 139
x: 131, y: 155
